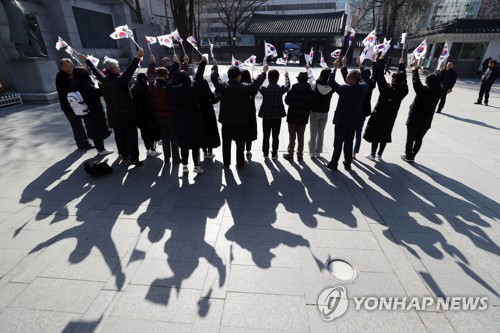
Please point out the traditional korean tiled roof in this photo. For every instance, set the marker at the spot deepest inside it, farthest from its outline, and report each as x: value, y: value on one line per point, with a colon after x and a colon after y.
x: 303, y: 25
x: 463, y: 26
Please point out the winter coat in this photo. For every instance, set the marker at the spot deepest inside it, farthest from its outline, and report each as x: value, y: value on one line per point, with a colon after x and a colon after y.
x: 383, y: 117
x: 449, y: 78
x: 116, y: 86
x: 351, y: 101
x: 252, y: 119
x: 63, y: 80
x: 207, y: 101
x: 234, y: 98
x: 95, y: 121
x: 144, y: 112
x: 490, y: 75
x: 162, y: 100
x: 301, y: 100
x: 188, y: 122
x: 272, y: 100
x: 424, y: 104
x: 323, y: 94
x: 367, y: 104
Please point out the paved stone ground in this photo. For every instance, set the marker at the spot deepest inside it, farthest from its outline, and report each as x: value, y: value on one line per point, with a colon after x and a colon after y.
x: 151, y: 250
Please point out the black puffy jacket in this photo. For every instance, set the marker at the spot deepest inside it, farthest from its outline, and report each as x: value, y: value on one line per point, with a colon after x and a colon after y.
x: 301, y: 100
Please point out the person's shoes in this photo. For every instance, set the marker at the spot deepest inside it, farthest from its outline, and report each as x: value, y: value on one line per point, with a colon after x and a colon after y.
x: 126, y: 161
x: 353, y: 156
x: 274, y: 156
x: 176, y: 161
x: 240, y: 166
x: 225, y: 166
x: 478, y: 102
x: 438, y: 111
x: 153, y: 153
x: 185, y: 169
x: 330, y: 166
x: 198, y: 169
x: 407, y: 158
x: 300, y: 157
x: 266, y: 156
x: 378, y: 158
x: 485, y: 103
x: 86, y: 147
x: 135, y: 162
x: 249, y: 155
x: 312, y: 155
x: 370, y: 157
x: 209, y: 156
x: 105, y: 152
x: 347, y: 167
x: 287, y: 156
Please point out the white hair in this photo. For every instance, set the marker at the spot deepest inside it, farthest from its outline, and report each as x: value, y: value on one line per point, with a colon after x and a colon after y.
x: 109, y: 64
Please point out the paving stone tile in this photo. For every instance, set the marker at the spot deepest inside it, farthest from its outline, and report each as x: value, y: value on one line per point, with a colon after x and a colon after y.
x: 86, y: 268
x: 17, y: 320
x: 346, y: 239
x: 272, y: 312
x: 9, y: 292
x: 158, y: 304
x: 209, y: 315
x: 132, y: 325
x: 174, y: 273
x: 58, y: 295
x: 378, y: 321
x: 316, y: 322
x: 273, y: 280
x: 9, y: 259
x: 435, y: 321
x: 470, y: 321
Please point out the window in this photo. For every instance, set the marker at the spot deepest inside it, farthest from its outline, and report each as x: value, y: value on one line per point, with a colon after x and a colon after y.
x: 91, y: 25
x: 468, y: 51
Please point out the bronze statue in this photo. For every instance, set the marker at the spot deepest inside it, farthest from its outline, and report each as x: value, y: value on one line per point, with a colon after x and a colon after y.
x: 23, y: 28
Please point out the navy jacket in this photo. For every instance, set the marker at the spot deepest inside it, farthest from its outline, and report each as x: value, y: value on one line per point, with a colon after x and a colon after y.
x: 351, y: 101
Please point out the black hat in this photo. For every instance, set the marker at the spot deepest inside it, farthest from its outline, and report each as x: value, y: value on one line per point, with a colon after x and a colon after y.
x: 302, y: 76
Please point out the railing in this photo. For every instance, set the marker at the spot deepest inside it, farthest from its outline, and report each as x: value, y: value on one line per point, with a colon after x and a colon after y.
x: 10, y: 99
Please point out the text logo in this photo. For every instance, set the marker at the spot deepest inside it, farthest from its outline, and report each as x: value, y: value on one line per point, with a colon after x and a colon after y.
x: 332, y: 303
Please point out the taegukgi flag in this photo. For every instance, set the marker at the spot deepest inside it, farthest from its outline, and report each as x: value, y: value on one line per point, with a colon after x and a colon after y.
x: 192, y: 41
x: 270, y: 50
x: 176, y: 36
x: 250, y: 61
x: 166, y: 40
x: 235, y: 62
x: 420, y: 50
x: 351, y: 36
x: 150, y: 40
x: 60, y: 43
x: 335, y: 54
x: 370, y: 39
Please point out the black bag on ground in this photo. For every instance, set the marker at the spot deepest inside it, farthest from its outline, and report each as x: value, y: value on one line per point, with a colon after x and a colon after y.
x: 97, y: 168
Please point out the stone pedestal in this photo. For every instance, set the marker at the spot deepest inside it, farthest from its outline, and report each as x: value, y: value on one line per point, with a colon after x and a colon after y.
x: 34, y: 79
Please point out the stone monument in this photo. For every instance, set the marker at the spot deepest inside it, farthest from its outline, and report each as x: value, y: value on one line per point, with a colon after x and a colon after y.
x: 33, y: 73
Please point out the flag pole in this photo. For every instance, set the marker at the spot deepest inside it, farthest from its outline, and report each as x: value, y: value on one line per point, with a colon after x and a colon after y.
x: 211, y: 48
x: 135, y: 42
x: 403, y: 50
x: 184, y: 50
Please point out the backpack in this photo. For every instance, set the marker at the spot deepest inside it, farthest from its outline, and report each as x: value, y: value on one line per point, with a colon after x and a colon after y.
x: 97, y: 168
x: 75, y: 99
